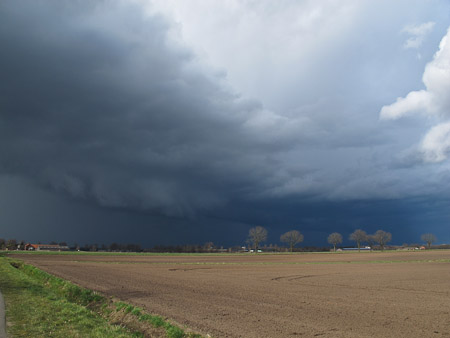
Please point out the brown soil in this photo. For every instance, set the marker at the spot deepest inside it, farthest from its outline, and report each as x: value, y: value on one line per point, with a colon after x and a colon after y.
x: 393, y: 294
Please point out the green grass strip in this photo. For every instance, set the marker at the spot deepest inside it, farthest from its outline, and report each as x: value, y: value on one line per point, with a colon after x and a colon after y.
x: 41, y: 305
x: 35, y: 308
x: 172, y: 331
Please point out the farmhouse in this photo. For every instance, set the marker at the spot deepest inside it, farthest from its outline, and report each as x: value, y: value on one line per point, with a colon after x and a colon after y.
x: 46, y: 247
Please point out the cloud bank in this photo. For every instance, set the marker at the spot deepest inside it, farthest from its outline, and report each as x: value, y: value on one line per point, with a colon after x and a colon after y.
x: 101, y: 103
x: 117, y: 105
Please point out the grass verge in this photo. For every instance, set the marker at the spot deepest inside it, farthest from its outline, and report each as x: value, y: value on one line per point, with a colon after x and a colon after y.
x: 41, y: 305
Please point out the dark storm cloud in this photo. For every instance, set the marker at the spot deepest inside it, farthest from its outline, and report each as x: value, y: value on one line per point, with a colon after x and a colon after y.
x: 98, y: 102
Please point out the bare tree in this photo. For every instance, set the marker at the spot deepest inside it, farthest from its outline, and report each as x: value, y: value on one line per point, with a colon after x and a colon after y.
x: 429, y: 239
x: 371, y: 241
x: 21, y: 245
x: 292, y: 238
x: 208, y: 246
x: 335, y: 238
x: 358, y: 236
x: 382, y: 237
x: 257, y: 235
x: 114, y: 247
x: 11, y: 244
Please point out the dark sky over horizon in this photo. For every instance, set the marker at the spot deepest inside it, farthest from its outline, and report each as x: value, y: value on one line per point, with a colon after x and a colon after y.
x: 160, y: 122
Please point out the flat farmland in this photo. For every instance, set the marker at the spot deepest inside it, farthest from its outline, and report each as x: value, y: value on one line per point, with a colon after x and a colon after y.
x: 390, y: 294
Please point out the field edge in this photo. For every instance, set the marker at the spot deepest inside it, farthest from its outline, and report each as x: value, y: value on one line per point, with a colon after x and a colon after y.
x: 125, y: 320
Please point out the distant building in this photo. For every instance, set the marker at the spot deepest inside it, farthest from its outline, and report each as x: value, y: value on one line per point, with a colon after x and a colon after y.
x: 46, y: 247
x: 366, y: 248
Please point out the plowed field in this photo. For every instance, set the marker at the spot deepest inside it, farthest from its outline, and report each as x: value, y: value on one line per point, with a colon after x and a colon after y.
x: 391, y: 294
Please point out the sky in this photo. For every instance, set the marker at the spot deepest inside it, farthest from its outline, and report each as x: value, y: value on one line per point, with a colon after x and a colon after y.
x: 172, y: 122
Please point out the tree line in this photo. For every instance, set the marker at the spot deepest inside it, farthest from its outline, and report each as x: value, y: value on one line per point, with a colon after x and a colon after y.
x: 291, y: 238
x: 256, y: 237
x: 11, y: 244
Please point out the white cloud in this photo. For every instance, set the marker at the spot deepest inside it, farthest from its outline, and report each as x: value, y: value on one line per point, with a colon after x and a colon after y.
x: 433, y: 101
x: 416, y: 101
x: 436, y: 144
x: 418, y: 34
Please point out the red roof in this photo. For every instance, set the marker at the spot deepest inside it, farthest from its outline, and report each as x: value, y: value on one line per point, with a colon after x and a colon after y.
x: 45, y: 246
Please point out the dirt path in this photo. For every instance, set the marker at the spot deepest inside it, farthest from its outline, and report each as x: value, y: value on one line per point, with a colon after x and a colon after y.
x: 347, y: 295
